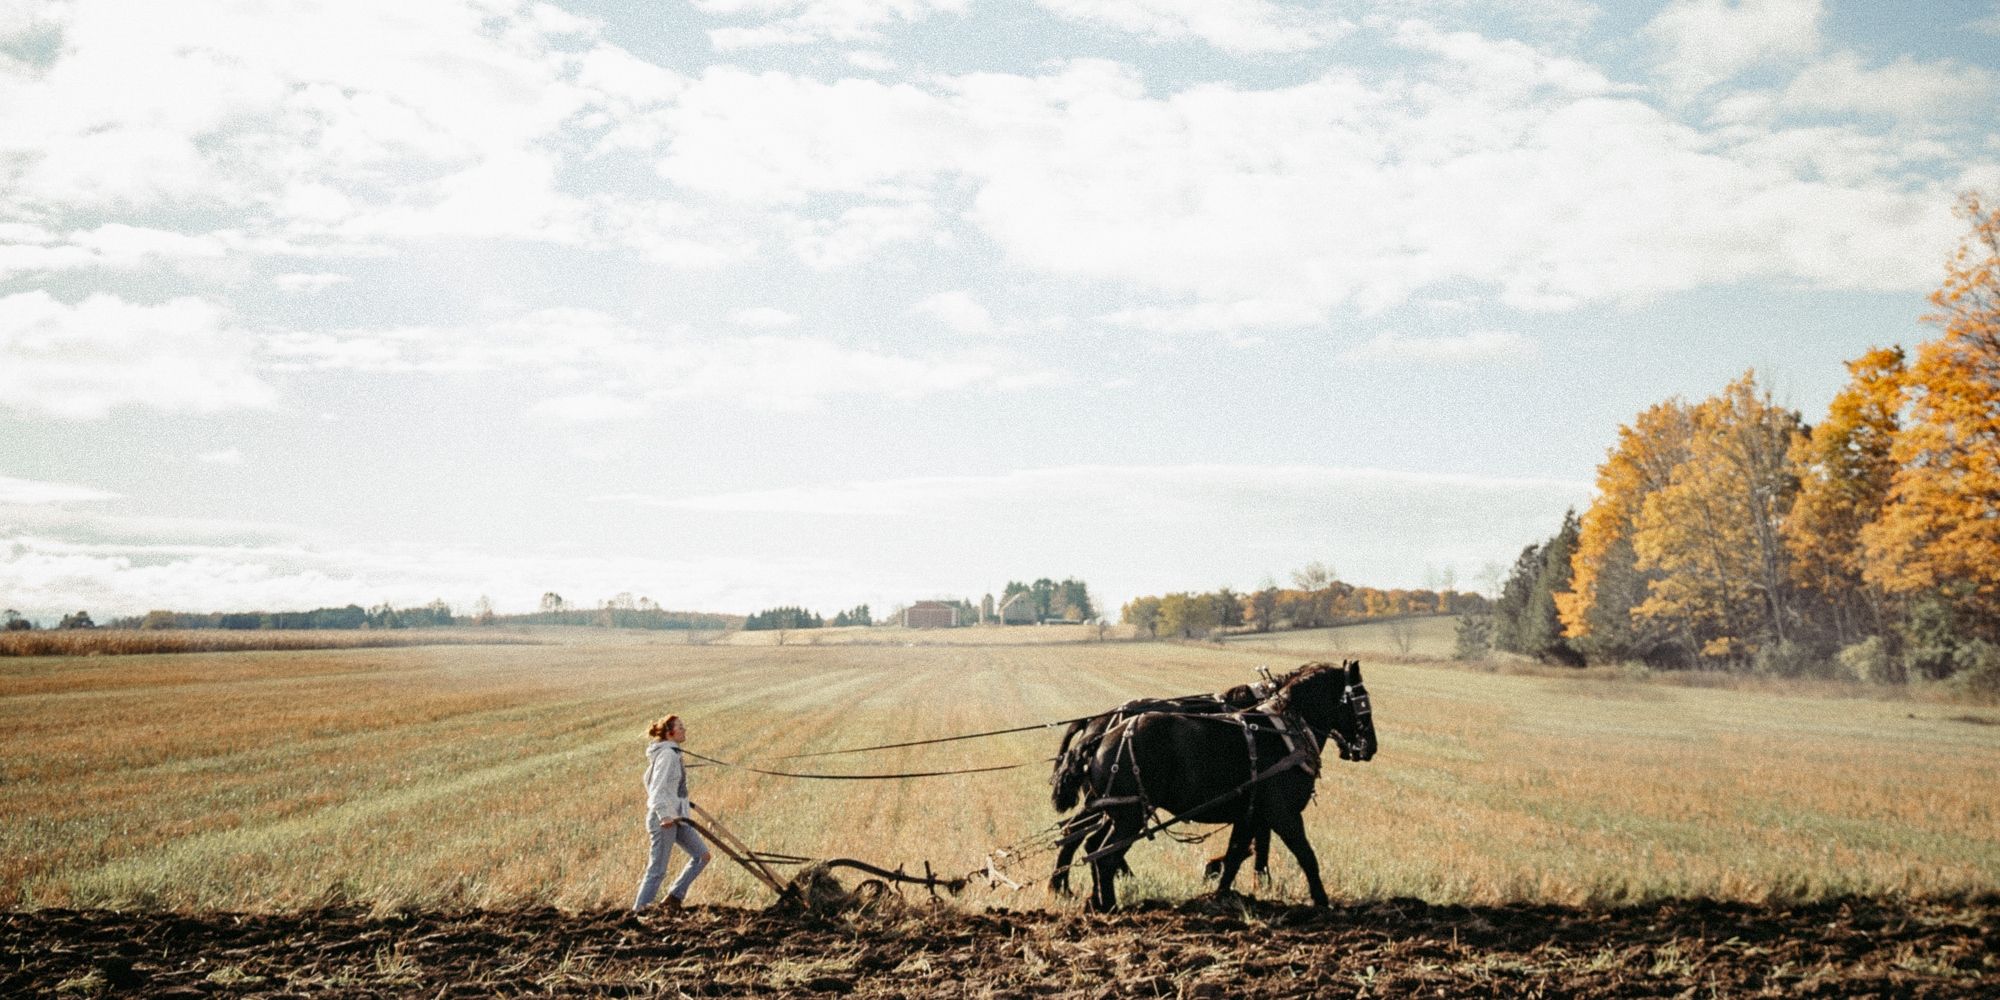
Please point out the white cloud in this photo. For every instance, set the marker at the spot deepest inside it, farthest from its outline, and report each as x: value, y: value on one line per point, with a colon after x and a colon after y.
x: 1488, y: 164
x: 633, y: 368
x: 224, y: 456
x: 958, y: 311
x: 763, y: 318
x: 1239, y: 26
x: 30, y: 491
x: 1216, y: 317
x: 1905, y: 89
x: 309, y: 282
x: 859, y: 233
x: 1703, y: 43
x: 28, y: 249
x: 82, y: 361
x: 1229, y: 522
x: 800, y: 22
x: 586, y: 408
x: 195, y: 566
x: 367, y: 119
x: 1481, y: 345
x: 873, y: 62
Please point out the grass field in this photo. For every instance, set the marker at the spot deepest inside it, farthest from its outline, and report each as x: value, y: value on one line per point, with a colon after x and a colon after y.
x: 497, y: 775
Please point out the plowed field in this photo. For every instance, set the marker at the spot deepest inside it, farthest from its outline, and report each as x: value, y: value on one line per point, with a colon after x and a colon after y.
x: 1202, y: 948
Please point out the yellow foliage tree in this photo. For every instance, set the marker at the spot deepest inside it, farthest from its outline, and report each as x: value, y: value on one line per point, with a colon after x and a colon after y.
x: 1711, y: 536
x: 1939, y: 531
x: 1845, y: 468
x: 1605, y: 583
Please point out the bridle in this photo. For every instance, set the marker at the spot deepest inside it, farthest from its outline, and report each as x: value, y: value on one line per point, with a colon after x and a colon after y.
x: 1355, y: 697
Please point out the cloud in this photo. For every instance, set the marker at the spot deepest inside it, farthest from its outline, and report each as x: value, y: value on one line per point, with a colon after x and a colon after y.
x: 80, y: 362
x: 309, y: 282
x: 329, y: 124
x: 48, y: 573
x: 586, y: 408
x: 801, y: 22
x: 30, y: 491
x: 1487, y: 163
x: 636, y: 368
x: 1482, y: 345
x: 1216, y: 317
x: 1904, y: 89
x: 225, y: 456
x: 1702, y: 43
x: 958, y: 311
x: 763, y: 318
x: 1237, y: 26
x: 1228, y: 522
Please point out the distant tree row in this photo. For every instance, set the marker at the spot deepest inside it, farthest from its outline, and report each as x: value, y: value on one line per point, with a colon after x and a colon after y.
x: 620, y: 611
x: 1730, y: 534
x: 1317, y: 599
x: 1068, y: 600
x: 783, y: 618
x: 434, y: 614
x: 857, y: 615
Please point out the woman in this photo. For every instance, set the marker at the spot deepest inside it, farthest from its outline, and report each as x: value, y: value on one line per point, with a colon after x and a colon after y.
x: 666, y: 815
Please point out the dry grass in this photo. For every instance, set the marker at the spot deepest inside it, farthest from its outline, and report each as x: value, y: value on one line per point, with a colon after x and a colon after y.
x: 495, y: 775
x: 135, y: 642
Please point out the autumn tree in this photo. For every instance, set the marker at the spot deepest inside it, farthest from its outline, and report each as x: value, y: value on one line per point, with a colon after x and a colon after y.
x: 1939, y: 530
x: 1606, y: 582
x: 1264, y: 608
x: 1845, y: 467
x: 1711, y: 535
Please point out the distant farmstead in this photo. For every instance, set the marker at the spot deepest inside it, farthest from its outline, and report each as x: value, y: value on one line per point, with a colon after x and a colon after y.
x: 1020, y: 610
x: 931, y: 614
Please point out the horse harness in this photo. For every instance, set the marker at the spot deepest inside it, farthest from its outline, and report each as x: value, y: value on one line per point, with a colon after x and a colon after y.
x: 1302, y: 745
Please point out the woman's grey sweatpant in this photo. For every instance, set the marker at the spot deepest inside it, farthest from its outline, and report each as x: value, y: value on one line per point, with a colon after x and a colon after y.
x: 664, y: 839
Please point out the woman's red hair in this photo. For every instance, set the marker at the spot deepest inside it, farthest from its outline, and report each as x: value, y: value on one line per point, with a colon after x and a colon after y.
x: 661, y: 728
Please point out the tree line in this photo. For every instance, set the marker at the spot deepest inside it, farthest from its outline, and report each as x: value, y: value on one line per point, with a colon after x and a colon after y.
x: 1317, y: 599
x: 1729, y: 533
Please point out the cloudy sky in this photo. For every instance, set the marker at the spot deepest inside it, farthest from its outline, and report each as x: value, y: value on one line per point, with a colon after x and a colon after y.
x: 732, y: 303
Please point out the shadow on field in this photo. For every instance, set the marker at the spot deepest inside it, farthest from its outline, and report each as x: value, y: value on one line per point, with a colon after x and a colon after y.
x: 1201, y: 948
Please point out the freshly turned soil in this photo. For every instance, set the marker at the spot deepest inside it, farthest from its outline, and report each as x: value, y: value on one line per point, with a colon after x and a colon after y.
x: 1202, y: 948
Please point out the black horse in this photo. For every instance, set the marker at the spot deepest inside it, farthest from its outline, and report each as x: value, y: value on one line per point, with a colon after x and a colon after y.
x: 1079, y: 745
x: 1254, y: 770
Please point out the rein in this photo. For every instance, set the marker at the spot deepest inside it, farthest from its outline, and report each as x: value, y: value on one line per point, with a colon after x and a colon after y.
x: 858, y: 777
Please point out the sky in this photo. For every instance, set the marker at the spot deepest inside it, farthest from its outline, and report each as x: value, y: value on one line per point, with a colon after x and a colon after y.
x: 741, y: 303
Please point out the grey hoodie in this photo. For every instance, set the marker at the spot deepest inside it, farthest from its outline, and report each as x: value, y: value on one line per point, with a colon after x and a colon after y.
x: 666, y: 783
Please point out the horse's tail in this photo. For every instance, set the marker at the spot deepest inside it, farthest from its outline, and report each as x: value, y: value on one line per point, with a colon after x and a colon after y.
x: 1071, y: 765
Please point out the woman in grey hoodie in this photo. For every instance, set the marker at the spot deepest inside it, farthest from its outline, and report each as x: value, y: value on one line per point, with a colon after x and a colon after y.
x: 666, y: 815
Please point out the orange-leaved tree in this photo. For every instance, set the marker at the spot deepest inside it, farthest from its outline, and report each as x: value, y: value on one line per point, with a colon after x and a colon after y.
x: 1845, y: 468
x: 1711, y: 534
x: 1605, y: 582
x: 1939, y: 532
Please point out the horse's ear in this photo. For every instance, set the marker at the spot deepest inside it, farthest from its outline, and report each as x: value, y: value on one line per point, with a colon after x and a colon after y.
x: 1354, y: 671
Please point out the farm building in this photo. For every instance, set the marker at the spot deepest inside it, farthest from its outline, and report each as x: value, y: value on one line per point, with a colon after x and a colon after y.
x: 1020, y: 610
x: 931, y: 614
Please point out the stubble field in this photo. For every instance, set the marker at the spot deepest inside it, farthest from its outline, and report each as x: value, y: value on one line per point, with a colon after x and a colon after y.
x: 382, y: 782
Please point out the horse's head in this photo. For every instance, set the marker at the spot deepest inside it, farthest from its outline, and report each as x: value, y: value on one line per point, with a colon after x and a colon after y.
x: 1333, y: 701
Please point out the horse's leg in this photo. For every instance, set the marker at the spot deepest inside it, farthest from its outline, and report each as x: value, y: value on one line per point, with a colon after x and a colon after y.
x: 1074, y: 832
x: 1263, y: 866
x: 1240, y: 837
x: 1292, y: 827
x: 1125, y: 823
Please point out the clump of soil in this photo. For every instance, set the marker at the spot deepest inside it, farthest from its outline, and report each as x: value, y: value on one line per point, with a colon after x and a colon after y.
x: 1202, y: 948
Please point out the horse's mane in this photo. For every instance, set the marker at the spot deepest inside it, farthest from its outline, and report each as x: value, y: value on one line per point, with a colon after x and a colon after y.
x: 1282, y: 701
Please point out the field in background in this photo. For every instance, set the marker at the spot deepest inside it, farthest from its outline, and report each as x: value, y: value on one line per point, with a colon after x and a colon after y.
x: 499, y: 775
x: 134, y: 642
x: 1428, y: 637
